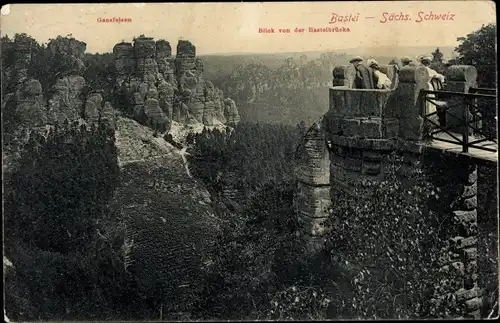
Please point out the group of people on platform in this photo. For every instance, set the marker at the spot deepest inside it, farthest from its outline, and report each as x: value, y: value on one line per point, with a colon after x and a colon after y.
x: 370, y: 76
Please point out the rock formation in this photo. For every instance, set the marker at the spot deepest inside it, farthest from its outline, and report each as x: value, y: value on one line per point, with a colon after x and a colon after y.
x: 159, y: 88
x: 28, y: 110
x: 312, y: 195
x: 231, y: 112
x: 22, y: 48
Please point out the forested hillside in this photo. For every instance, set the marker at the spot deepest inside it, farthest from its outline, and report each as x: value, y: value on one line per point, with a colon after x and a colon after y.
x: 288, y: 94
x: 245, y: 159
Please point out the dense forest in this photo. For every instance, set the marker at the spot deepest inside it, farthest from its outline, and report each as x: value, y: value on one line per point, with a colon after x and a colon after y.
x: 59, y: 230
x: 253, y: 155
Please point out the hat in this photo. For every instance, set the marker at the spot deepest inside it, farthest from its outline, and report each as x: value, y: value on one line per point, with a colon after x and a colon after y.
x: 425, y: 57
x: 356, y: 59
x: 371, y: 62
x: 405, y: 59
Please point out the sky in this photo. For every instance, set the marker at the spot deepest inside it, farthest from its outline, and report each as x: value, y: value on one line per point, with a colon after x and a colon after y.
x: 234, y: 27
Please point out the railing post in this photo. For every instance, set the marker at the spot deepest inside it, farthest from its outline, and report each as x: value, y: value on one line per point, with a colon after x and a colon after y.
x: 421, y: 98
x: 465, y: 133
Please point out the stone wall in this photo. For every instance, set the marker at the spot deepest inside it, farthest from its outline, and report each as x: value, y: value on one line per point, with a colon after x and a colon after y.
x: 457, y: 180
x: 157, y: 88
x: 361, y: 128
x: 363, y: 113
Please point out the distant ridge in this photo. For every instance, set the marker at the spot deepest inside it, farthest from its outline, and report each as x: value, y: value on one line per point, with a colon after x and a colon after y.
x: 388, y: 51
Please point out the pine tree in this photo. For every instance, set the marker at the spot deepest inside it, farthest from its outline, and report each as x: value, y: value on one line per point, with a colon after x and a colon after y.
x: 437, y: 56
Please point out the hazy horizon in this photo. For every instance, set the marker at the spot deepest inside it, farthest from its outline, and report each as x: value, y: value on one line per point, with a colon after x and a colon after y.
x: 315, y: 51
x: 240, y: 53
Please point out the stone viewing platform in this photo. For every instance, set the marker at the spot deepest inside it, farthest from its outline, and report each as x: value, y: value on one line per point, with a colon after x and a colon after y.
x: 364, y: 126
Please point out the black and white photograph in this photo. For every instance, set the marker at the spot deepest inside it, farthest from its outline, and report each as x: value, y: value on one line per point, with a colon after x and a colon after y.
x: 249, y: 161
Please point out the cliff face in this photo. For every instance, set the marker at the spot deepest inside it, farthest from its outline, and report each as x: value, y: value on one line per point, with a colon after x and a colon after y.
x: 157, y: 88
x: 27, y: 108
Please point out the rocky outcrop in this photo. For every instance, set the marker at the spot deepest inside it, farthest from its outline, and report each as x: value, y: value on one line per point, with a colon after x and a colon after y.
x: 73, y: 52
x: 170, y: 224
x: 159, y: 88
x: 231, y: 112
x: 22, y: 47
x: 67, y: 101
x: 28, y: 109
x: 124, y: 61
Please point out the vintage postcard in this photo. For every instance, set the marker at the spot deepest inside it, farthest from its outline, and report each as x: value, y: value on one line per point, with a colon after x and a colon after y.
x: 250, y: 161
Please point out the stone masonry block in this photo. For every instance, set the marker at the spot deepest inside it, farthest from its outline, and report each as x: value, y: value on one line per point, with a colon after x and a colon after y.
x: 372, y: 155
x: 352, y: 164
x: 473, y: 304
x: 465, y: 216
x: 470, y: 203
x: 371, y: 128
x: 354, y: 152
x: 339, y: 150
x: 334, y: 125
x: 463, y: 294
x: 459, y: 243
x: 392, y: 109
x: 338, y: 103
x: 336, y: 159
x: 370, y: 167
x: 372, y: 105
x: 351, y: 127
x: 469, y: 191
x: 391, y: 128
x: 315, y: 226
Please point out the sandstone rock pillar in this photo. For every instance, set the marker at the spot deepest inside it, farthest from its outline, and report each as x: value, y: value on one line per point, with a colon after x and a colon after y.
x: 312, y: 195
x: 124, y: 61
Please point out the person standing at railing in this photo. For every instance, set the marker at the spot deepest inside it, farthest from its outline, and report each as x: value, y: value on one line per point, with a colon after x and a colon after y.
x: 426, y: 60
x: 381, y: 79
x: 364, y: 74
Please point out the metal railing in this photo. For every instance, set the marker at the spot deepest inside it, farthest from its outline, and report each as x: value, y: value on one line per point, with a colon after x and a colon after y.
x: 469, y: 120
x: 482, y: 90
